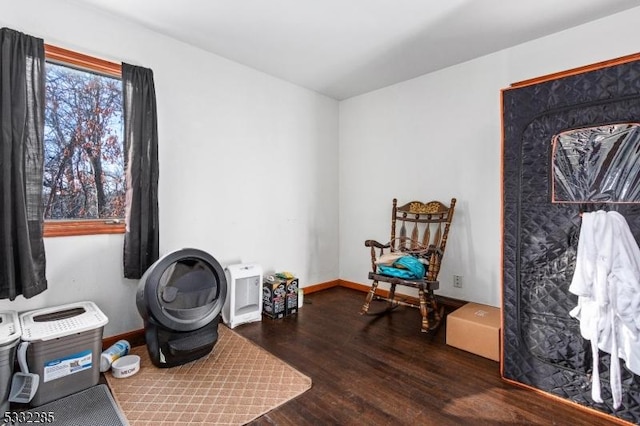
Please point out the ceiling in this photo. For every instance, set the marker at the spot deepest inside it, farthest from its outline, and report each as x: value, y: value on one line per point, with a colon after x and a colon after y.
x: 343, y: 48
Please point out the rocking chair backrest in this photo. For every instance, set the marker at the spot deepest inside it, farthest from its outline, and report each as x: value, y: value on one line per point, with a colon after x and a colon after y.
x: 421, y: 226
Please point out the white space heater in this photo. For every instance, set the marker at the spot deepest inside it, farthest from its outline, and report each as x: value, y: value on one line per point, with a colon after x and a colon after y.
x: 244, y: 294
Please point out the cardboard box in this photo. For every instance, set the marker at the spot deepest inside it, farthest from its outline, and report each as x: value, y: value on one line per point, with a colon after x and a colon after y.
x: 475, y: 328
x: 274, y: 298
x: 292, y: 296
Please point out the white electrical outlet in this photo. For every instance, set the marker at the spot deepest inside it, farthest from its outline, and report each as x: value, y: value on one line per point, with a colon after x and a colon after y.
x: 457, y: 281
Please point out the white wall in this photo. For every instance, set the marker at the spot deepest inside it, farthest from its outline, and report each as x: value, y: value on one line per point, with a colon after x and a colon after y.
x: 248, y: 164
x: 439, y: 136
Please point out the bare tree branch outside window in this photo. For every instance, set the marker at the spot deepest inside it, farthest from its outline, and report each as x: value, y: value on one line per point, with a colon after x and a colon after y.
x: 84, y: 161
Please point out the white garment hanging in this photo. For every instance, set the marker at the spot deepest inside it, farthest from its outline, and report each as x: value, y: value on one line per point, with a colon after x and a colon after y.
x: 607, y: 282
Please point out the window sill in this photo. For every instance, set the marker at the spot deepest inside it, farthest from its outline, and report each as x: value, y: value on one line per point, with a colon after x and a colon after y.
x: 67, y: 228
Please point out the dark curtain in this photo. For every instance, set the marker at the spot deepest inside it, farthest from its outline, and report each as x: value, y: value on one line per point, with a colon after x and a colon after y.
x: 141, y: 162
x: 22, y: 89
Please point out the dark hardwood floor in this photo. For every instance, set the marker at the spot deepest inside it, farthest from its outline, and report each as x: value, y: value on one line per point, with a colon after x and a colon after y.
x: 384, y: 371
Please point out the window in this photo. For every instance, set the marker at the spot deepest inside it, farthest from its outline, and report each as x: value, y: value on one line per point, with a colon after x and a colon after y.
x: 597, y: 164
x: 84, y: 186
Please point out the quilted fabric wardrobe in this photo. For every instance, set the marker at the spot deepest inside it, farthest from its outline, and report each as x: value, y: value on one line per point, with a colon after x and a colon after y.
x: 550, y: 179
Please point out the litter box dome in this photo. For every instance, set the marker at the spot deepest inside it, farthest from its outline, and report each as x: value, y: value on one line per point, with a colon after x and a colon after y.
x: 182, y: 291
x: 180, y: 298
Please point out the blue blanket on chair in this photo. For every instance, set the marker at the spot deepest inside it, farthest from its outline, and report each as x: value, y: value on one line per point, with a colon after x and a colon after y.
x: 405, y: 267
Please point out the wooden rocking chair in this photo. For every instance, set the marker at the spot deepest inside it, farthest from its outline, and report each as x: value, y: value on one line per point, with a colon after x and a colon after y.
x: 428, y: 224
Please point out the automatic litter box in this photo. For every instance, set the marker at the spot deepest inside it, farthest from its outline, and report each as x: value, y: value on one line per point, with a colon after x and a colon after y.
x: 10, y: 333
x: 180, y: 298
x: 65, y: 343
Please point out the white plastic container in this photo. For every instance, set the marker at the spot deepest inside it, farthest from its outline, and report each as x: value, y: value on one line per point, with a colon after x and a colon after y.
x: 10, y: 333
x: 115, y: 351
x: 65, y: 343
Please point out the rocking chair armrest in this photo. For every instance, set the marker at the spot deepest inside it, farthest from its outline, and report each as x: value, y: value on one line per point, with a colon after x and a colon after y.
x: 375, y: 244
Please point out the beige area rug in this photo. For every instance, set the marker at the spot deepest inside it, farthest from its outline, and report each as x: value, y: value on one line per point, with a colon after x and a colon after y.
x: 236, y: 383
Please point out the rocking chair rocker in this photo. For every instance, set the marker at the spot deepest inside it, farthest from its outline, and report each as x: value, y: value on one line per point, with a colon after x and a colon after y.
x: 429, y: 226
